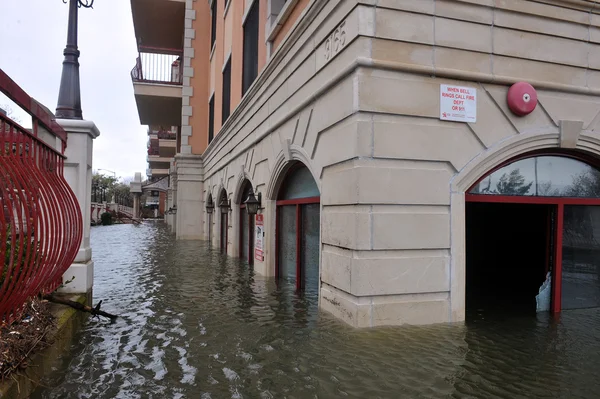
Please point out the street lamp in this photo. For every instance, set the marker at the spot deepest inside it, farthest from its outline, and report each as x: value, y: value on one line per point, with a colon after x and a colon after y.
x: 210, y: 205
x: 225, y: 204
x: 252, y: 203
x: 95, y: 191
x: 69, y: 95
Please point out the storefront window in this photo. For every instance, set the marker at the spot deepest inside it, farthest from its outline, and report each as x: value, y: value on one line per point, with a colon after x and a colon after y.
x: 246, y: 233
x: 581, y: 257
x: 298, y: 228
x: 543, y: 176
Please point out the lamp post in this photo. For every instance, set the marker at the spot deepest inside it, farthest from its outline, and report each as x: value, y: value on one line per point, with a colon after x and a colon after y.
x: 252, y: 203
x: 210, y: 206
x: 69, y: 95
x: 225, y: 205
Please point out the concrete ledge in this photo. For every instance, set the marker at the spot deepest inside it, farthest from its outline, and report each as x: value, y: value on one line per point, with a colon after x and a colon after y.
x: 68, y: 322
x: 385, y: 310
x: 83, y: 278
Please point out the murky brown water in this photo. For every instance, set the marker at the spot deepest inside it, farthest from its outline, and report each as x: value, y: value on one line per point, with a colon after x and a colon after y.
x: 197, y: 325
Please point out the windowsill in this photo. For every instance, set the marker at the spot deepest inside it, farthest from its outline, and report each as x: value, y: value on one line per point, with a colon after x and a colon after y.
x: 283, y: 16
x: 212, y: 51
x: 226, y: 8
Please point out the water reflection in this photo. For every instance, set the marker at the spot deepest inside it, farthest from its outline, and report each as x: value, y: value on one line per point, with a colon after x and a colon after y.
x: 198, y: 325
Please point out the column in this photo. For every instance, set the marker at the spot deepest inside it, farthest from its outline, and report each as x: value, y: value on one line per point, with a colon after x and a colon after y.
x: 78, y: 173
x: 189, y: 201
x: 135, y: 187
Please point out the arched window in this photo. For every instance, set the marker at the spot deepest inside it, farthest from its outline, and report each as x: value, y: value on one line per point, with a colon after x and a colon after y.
x: 542, y: 176
x: 298, y: 228
x: 533, y: 224
x: 246, y: 226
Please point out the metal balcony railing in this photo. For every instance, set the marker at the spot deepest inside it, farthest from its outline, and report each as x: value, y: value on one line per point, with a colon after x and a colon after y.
x: 153, y: 151
x: 158, y: 65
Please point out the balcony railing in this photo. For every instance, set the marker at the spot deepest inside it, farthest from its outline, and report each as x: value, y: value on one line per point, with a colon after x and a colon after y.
x: 153, y: 151
x: 167, y: 136
x: 158, y: 65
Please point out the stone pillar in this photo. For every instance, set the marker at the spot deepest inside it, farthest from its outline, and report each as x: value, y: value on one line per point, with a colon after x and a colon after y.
x: 78, y: 173
x: 173, y: 203
x: 135, y: 187
x: 189, y: 201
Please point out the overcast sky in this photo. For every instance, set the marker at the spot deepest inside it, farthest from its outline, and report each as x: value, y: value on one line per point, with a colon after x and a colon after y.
x: 32, y: 38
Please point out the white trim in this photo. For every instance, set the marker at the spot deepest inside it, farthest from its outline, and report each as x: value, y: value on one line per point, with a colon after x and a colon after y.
x: 212, y: 51
x: 247, y: 11
x: 226, y: 8
x: 227, y: 59
x: 282, y: 17
x: 211, y: 95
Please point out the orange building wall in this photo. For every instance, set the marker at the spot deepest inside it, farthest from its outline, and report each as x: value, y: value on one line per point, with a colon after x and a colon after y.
x: 208, y: 73
x: 288, y: 24
x: 262, y: 46
x: 200, y: 82
x: 237, y: 52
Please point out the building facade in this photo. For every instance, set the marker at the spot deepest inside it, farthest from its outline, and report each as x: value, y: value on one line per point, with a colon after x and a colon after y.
x: 337, y: 113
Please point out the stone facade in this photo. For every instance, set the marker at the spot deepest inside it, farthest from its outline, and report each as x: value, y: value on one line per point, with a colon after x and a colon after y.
x: 353, y: 92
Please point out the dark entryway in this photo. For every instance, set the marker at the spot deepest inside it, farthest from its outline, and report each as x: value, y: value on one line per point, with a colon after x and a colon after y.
x: 508, y: 255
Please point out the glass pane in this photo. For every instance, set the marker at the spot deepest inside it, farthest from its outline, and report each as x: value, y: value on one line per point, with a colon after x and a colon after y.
x: 223, y: 233
x: 581, y: 257
x: 544, y: 176
x: 244, y: 233
x: 299, y: 184
x: 310, y: 247
x: 286, y: 230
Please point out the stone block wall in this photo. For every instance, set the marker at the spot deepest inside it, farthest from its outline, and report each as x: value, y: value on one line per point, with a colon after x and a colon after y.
x: 353, y: 93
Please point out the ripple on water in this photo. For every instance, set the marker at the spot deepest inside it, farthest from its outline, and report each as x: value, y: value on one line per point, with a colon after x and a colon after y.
x: 197, y: 325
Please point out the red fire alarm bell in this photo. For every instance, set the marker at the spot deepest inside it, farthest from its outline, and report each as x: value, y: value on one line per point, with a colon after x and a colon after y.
x: 521, y: 98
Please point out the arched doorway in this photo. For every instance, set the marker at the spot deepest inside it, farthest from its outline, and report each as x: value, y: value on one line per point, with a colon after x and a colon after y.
x: 298, y: 229
x: 533, y: 234
x: 246, y: 232
x: 224, y: 221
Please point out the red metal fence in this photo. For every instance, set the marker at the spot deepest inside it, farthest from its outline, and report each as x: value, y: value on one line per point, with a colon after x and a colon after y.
x: 40, y: 218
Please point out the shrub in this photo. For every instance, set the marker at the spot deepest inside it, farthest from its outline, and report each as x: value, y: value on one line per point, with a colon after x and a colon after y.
x: 106, y: 218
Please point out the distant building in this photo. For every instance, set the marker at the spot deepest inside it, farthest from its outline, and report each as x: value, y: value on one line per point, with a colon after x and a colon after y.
x: 396, y: 182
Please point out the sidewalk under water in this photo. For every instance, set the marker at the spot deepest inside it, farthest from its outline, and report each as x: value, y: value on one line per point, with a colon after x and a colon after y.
x: 196, y: 324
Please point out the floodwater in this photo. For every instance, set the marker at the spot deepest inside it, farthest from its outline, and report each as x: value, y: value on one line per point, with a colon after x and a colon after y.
x: 195, y: 324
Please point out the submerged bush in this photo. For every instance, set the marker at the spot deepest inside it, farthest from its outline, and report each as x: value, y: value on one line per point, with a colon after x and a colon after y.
x: 106, y: 219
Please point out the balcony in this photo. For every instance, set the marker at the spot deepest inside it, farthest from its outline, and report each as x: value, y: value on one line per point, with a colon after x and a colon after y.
x: 157, y: 160
x: 163, y: 143
x: 159, y: 23
x: 157, y: 172
x: 157, y: 80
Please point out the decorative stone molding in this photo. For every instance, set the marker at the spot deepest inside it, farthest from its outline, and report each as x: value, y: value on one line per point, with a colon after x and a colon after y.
x: 569, y: 133
x: 188, y: 72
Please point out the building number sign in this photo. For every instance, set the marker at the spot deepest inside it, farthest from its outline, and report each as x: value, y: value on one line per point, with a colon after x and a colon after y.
x: 336, y: 41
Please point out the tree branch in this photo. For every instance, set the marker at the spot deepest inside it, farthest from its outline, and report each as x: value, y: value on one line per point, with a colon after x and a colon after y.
x: 95, y: 311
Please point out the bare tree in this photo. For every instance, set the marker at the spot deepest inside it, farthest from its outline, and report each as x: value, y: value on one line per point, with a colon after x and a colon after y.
x: 8, y: 111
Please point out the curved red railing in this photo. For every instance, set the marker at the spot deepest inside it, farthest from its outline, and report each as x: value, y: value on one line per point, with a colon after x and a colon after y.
x: 40, y: 219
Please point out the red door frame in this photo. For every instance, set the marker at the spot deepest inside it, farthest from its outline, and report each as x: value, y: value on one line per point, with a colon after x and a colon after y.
x: 560, y: 202
x: 298, y: 203
x: 225, y: 217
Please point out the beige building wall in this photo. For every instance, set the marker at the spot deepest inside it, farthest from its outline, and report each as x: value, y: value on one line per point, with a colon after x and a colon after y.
x: 353, y: 93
